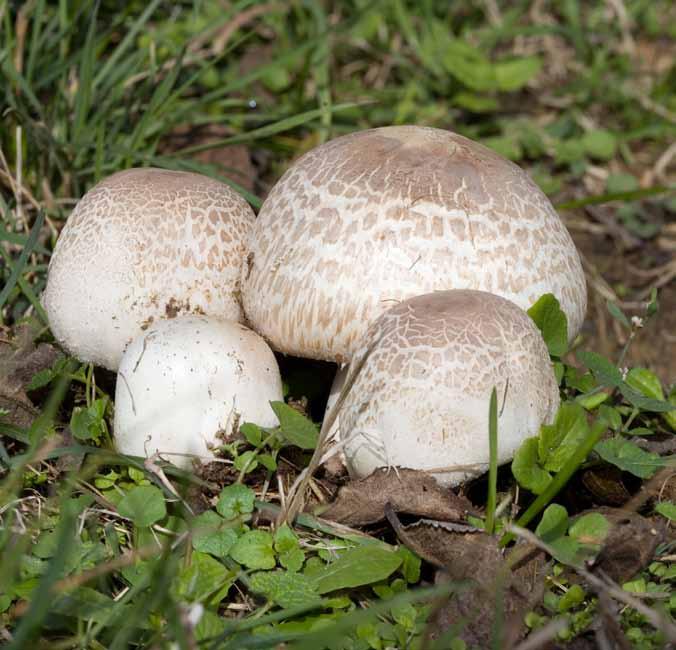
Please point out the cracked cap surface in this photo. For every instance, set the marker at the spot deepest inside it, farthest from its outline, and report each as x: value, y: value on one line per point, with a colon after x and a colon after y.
x: 143, y: 245
x: 378, y: 216
x: 421, y: 399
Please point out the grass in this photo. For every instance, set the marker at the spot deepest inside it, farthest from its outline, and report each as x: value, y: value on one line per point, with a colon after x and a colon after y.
x: 99, y: 550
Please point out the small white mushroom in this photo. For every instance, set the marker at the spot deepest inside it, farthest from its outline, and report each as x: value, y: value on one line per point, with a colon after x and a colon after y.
x: 421, y: 399
x: 378, y: 216
x: 185, y: 385
x: 142, y: 245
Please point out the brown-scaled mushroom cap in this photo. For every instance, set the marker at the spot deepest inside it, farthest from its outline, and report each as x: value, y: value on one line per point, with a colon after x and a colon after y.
x: 142, y: 245
x: 421, y: 399
x: 378, y: 216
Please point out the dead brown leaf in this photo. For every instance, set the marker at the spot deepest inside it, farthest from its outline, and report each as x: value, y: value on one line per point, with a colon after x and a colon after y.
x: 20, y: 360
x: 409, y: 491
x: 605, y: 485
x: 465, y: 554
x: 630, y: 545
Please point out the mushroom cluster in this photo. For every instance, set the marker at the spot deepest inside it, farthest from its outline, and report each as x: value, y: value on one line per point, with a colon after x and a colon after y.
x: 411, y: 249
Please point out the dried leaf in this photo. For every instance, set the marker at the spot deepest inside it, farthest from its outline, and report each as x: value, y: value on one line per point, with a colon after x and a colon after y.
x: 472, y: 556
x: 629, y: 546
x: 362, y: 502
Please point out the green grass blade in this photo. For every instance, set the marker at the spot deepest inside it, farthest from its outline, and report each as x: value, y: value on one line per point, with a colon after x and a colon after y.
x: 493, y: 462
x: 634, y: 195
x: 266, y: 131
x: 86, y: 75
x: 23, y: 258
x: 321, y: 71
x: 19, y: 80
x: 126, y: 43
x: 36, y: 34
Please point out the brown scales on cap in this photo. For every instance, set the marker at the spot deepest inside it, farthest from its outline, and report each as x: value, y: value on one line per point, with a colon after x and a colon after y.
x: 421, y: 399
x: 372, y: 218
x: 145, y: 244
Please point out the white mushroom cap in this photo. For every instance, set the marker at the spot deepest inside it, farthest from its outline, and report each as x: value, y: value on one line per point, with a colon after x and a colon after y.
x: 378, y: 216
x: 186, y: 384
x: 421, y: 399
x: 145, y: 244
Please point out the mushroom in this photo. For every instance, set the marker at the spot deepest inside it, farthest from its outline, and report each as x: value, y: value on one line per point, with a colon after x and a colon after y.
x: 378, y: 216
x: 185, y: 385
x: 142, y: 245
x: 421, y: 399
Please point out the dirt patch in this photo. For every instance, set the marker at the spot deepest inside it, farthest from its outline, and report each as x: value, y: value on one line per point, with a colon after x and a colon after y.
x: 234, y: 161
x: 622, y: 267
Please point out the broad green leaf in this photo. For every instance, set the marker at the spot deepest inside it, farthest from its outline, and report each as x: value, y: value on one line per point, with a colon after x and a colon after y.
x: 405, y: 614
x: 628, y: 457
x: 606, y: 372
x: 143, y: 504
x: 86, y: 604
x: 410, y: 566
x: 554, y: 523
x: 592, y: 528
x: 475, y: 102
x: 670, y: 416
x: 667, y: 509
x: 644, y: 403
x: 295, y: 427
x: 569, y: 417
x: 46, y: 545
x: 467, y: 64
x: 507, y: 146
x: 645, y: 382
x: 235, y: 500
x: 204, y: 579
x: 573, y: 597
x: 211, y: 534
x: 611, y: 416
x: 252, y: 432
x: 254, y: 550
x: 210, y: 625
x: 358, y: 566
x: 552, y: 323
x: 246, y: 462
x: 284, y: 588
x: 268, y: 461
x: 41, y: 379
x: 566, y: 550
x: 291, y: 556
x: 581, y: 381
x: 136, y: 573
x: 600, y: 144
x: 559, y: 441
x: 592, y: 400
x: 515, y: 74
x: 88, y: 423
x: 526, y: 468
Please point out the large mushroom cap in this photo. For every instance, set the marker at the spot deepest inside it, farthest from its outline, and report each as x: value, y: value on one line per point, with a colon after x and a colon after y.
x: 145, y: 244
x: 378, y: 216
x: 185, y: 385
x: 421, y: 399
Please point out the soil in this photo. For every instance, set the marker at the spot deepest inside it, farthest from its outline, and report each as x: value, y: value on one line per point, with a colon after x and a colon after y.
x: 629, y: 275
